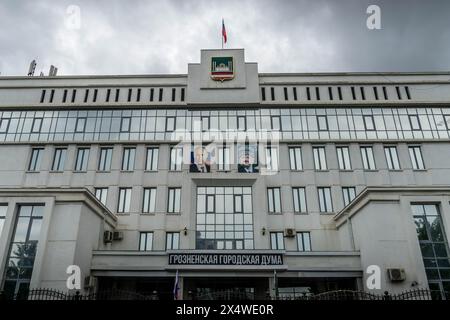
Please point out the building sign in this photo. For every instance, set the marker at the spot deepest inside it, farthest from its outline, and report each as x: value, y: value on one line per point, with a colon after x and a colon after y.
x: 222, y: 68
x: 226, y: 259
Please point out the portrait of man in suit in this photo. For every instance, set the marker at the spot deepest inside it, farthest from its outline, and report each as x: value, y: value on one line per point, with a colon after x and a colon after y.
x: 247, y: 159
x: 199, y: 160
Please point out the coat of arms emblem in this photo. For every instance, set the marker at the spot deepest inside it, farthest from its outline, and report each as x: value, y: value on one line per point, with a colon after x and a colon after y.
x: 222, y: 68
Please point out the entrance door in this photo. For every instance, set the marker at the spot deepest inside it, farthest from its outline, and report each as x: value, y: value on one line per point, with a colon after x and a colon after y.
x: 225, y: 288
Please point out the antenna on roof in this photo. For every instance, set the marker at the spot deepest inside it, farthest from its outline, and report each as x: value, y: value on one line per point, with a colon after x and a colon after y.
x: 32, y: 68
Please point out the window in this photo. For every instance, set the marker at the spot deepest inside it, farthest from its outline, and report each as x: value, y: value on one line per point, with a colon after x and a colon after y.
x: 94, y: 99
x: 124, y: 200
x: 128, y: 159
x: 408, y: 94
x: 303, y: 241
x: 81, y: 124
x: 433, y: 244
x: 174, y: 200
x: 263, y: 94
x: 277, y: 240
x: 152, y: 93
x: 149, y: 204
x: 392, y: 158
x: 295, y: 158
x: 104, y: 163
x: 399, y: 94
x: 125, y: 124
x: 294, y: 91
x: 22, y: 250
x: 223, y: 161
x: 322, y: 123
x: 117, y: 95
x: 353, y: 93
x: 138, y: 95
x: 182, y: 94
x: 385, y: 93
x: 308, y: 93
x: 343, y: 155
x: 146, y: 241
x: 286, y: 97
x: 367, y: 158
x: 74, y: 95
x: 363, y: 94
x: 81, y: 162
x: 375, y: 92
x: 172, y: 240
x: 368, y: 123
x: 151, y: 163
x: 330, y: 93
x: 59, y: 159
x: 272, y: 158
x: 160, y: 97
x: 173, y: 94
x: 325, y: 204
x: 205, y: 123
x: 37, y: 124
x: 415, y: 123
x: 274, y: 200
x: 130, y: 93
x: 35, y: 160
x: 299, y: 197
x: 52, y: 95
x: 415, y: 154
x: 320, y: 162
x: 241, y: 123
x: 108, y: 95
x: 170, y: 124
x: 272, y: 93
x: 43, y: 96
x: 317, y: 93
x: 3, y: 209
x: 176, y: 158
x: 349, y: 193
x: 101, y: 194
x: 86, y: 95
x: 340, y: 93
x: 64, y: 99
x: 4, y: 124
x: 275, y: 123
x: 224, y: 218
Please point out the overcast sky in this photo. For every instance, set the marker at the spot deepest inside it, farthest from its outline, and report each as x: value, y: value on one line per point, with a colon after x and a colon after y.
x: 146, y: 37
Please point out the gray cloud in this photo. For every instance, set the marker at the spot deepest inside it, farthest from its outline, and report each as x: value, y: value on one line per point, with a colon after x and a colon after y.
x: 128, y: 37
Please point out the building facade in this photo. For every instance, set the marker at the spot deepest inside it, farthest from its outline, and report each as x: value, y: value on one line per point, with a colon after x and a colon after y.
x: 227, y: 179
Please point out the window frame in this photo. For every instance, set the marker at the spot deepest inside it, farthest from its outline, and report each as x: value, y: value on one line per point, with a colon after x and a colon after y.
x: 274, y: 205
x: 124, y: 204
x: 342, y: 157
x: 327, y: 207
x: 417, y: 165
x: 300, y: 235
x: 174, y: 205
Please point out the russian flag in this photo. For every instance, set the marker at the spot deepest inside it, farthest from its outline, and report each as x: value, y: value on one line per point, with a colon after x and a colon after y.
x: 176, y: 288
x: 224, y: 32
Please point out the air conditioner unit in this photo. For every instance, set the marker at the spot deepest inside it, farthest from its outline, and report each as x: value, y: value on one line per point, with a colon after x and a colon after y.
x: 117, y: 235
x: 396, y: 274
x: 289, y: 233
x: 107, y: 236
x: 90, y: 282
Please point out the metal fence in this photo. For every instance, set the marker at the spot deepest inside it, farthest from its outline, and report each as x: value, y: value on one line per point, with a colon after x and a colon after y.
x: 52, y: 294
x: 349, y: 295
x: 338, y: 295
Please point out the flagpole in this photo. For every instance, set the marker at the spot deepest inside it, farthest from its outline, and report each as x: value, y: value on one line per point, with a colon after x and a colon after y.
x: 221, y: 34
